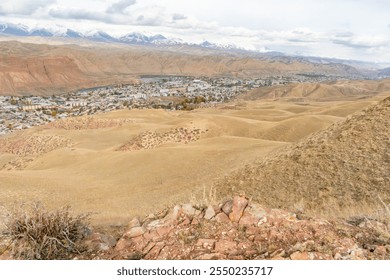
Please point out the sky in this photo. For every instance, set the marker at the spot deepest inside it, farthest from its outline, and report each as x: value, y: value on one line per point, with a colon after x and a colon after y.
x: 347, y: 29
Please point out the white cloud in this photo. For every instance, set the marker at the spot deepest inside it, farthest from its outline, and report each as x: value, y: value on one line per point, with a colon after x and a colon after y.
x: 120, y: 7
x: 22, y: 7
x: 348, y: 28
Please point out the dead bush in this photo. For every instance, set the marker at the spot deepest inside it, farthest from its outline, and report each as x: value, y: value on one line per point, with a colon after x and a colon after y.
x: 37, y: 233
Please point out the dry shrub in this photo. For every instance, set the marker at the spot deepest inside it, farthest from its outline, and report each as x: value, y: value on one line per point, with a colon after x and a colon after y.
x: 383, y: 214
x: 36, y: 233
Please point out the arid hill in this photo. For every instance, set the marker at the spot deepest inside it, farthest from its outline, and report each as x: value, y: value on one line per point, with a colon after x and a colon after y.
x: 341, y: 170
x: 27, y: 68
x: 325, y: 91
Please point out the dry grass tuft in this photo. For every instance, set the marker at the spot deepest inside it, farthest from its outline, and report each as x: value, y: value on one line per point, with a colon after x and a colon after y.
x: 37, y: 233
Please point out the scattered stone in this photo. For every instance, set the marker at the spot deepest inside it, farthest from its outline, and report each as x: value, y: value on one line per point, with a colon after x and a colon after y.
x: 205, y: 244
x: 135, y: 222
x: 239, y: 204
x: 225, y: 246
x: 7, y: 255
x: 176, y: 212
x: 188, y: 209
x: 214, y: 256
x: 210, y: 213
x: 300, y: 256
x: 222, y: 218
x: 227, y: 207
x: 100, y: 242
x: 135, y: 231
x: 248, y: 219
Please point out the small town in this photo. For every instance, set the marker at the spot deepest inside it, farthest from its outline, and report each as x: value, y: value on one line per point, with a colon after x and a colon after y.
x: 165, y: 92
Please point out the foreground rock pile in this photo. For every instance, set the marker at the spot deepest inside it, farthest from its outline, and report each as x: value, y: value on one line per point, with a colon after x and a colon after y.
x: 238, y: 229
x: 151, y: 140
x: 87, y: 122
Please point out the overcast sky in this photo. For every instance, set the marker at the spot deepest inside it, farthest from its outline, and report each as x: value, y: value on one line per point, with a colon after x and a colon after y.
x: 351, y: 29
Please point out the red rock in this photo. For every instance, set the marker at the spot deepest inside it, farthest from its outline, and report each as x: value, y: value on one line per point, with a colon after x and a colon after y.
x: 123, y: 243
x: 279, y: 252
x: 278, y: 258
x: 380, y: 250
x: 188, y: 209
x: 195, y: 221
x: 152, y: 235
x: 236, y: 257
x: 164, y: 253
x: 252, y: 230
x: 163, y: 231
x: 239, y: 205
x: 256, y: 211
x: 135, y: 231
x: 248, y: 219
x: 155, y: 251
x: 135, y: 222
x: 152, y: 224
x: 7, y: 255
x: 227, y: 207
x: 186, y: 221
x: 148, y: 247
x: 225, y: 246
x: 250, y: 253
x: 322, y: 256
x: 338, y: 256
x: 139, y: 243
x: 342, y: 251
x: 222, y: 218
x: 99, y: 242
x: 214, y: 256
x: 300, y: 256
x: 176, y: 212
x: 244, y: 245
x: 357, y: 254
x: 205, y: 243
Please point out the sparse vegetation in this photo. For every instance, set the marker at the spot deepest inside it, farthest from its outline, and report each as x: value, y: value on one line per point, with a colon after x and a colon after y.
x: 37, y: 233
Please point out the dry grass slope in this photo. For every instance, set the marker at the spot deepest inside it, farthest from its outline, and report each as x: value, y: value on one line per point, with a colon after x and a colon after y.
x: 342, y: 170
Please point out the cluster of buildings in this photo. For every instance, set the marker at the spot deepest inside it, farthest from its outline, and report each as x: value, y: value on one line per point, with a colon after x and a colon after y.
x: 18, y: 113
x: 168, y: 92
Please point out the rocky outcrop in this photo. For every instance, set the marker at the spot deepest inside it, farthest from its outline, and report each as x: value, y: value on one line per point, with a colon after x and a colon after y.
x: 27, y: 148
x: 87, y: 122
x: 239, y: 229
x: 151, y: 140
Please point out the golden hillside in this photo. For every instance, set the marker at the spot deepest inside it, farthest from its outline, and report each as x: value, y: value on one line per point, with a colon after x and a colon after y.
x: 341, y: 170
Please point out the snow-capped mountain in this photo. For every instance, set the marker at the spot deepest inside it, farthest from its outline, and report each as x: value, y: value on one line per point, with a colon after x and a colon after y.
x: 135, y: 38
x: 14, y: 29
x: 69, y: 33
x: 41, y: 32
x: 100, y: 36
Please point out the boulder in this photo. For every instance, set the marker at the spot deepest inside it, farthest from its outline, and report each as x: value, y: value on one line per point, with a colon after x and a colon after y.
x: 227, y: 207
x: 222, y: 218
x: 239, y: 205
x: 135, y: 231
x: 225, y: 246
x: 210, y: 213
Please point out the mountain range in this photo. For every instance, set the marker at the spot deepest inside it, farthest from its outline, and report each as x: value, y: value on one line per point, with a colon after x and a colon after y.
x: 134, y: 38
